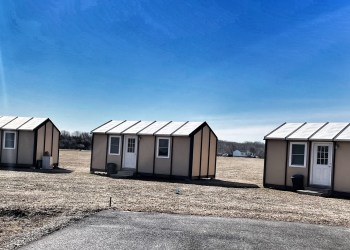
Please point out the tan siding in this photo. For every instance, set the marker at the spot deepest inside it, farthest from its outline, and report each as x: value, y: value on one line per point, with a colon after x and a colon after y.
x: 48, y: 137
x: 275, y: 162
x: 196, y: 154
x: 9, y: 155
x: 40, y: 143
x: 342, y: 168
x: 205, y: 151
x: 99, y: 152
x: 212, y: 159
x: 295, y: 170
x: 181, y: 156
x: 55, y: 152
x: 25, y: 147
x: 146, y: 153
x: 117, y: 159
x: 162, y: 165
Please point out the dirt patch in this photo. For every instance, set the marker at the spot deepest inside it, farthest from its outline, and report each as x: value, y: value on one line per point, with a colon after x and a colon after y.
x: 35, y: 203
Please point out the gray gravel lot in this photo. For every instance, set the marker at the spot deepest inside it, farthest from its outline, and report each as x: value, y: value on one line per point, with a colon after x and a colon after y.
x: 134, y: 230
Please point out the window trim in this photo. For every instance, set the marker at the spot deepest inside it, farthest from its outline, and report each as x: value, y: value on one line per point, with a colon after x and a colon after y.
x: 109, y: 144
x: 290, y: 154
x: 4, y: 139
x: 163, y: 138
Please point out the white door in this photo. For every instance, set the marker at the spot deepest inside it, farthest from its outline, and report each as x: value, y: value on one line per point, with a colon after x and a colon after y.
x: 130, y: 151
x: 322, y: 164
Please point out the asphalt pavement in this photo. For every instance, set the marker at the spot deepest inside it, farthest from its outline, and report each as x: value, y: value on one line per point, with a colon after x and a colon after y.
x: 132, y: 230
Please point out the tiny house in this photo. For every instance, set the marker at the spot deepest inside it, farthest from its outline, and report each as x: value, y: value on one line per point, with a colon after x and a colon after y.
x: 24, y: 140
x: 318, y: 151
x: 156, y: 148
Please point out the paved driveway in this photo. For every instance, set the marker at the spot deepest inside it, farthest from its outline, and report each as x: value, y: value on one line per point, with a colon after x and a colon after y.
x: 131, y: 230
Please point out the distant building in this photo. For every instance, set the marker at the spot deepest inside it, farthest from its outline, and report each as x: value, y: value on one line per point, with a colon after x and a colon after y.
x: 237, y: 153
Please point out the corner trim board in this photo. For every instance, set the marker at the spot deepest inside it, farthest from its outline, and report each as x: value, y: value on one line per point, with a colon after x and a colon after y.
x: 106, y: 153
x: 333, y: 167
x: 309, y: 163
x: 216, y: 157
x: 35, y: 147
x: 92, y: 151
x: 190, y: 166
x: 208, y: 154
x: 17, y: 142
x: 1, y: 143
x: 265, y: 162
x: 154, y: 153
x: 286, y: 166
x: 172, y: 153
x: 138, y: 153
x: 200, y: 159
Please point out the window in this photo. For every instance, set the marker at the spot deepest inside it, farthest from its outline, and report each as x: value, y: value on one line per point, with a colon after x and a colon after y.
x: 322, y: 155
x: 9, y: 140
x: 163, y: 145
x: 131, y: 145
x: 297, y: 154
x: 114, y: 145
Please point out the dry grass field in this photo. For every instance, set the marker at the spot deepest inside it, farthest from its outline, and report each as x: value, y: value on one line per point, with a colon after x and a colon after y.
x: 34, y: 203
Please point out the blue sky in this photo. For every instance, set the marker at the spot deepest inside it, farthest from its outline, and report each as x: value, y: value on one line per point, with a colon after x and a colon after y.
x: 243, y: 66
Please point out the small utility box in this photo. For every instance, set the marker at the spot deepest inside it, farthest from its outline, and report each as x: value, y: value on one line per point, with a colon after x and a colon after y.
x: 47, y: 162
x: 298, y: 182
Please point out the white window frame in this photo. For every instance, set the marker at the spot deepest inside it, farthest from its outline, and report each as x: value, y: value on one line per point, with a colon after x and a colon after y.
x: 4, y: 139
x: 163, y: 138
x: 109, y: 144
x: 290, y: 154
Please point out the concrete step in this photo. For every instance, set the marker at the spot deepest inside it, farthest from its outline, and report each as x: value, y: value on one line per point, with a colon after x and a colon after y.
x: 123, y: 173
x: 316, y: 192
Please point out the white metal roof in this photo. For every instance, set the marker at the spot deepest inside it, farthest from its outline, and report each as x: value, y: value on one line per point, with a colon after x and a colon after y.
x: 337, y: 131
x: 138, y: 127
x: 305, y: 131
x: 150, y: 130
x: 20, y: 123
x: 187, y: 129
x: 159, y: 128
x: 344, y: 136
x: 170, y: 128
x: 121, y: 127
x: 109, y: 125
x: 6, y: 119
x: 16, y: 123
x: 330, y: 131
x: 284, y: 131
x: 32, y: 124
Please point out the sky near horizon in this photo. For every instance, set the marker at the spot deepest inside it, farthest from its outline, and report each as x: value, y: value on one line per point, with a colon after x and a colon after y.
x: 245, y: 67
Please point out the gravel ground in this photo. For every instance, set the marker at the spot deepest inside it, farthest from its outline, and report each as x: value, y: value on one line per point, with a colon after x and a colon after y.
x: 34, y: 203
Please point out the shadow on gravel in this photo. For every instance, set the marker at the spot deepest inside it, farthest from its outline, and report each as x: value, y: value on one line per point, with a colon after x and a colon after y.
x: 22, y: 213
x: 202, y: 182
x: 34, y: 170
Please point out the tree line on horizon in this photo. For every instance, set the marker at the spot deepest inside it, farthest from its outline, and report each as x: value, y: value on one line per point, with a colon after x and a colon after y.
x: 75, y: 140
x: 254, y: 148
